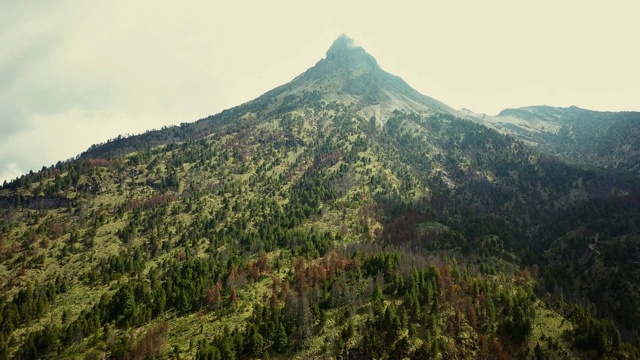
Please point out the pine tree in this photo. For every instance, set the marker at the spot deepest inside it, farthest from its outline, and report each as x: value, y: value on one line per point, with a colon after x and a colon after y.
x: 281, y: 341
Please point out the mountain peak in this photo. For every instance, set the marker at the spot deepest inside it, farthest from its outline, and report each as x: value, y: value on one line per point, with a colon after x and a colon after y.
x: 345, y: 47
x: 343, y: 42
x: 348, y: 73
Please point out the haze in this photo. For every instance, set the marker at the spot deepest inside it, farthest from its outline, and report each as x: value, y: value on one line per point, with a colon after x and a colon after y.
x: 77, y: 73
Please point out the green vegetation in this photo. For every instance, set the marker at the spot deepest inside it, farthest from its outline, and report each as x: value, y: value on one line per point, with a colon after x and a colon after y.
x: 294, y: 226
x: 585, y: 137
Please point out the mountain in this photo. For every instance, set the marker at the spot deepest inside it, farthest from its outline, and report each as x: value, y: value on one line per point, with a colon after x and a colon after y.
x: 604, y: 139
x: 347, y: 75
x: 350, y: 75
x: 342, y: 214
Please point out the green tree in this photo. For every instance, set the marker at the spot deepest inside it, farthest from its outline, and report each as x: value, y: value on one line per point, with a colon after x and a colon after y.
x: 281, y: 341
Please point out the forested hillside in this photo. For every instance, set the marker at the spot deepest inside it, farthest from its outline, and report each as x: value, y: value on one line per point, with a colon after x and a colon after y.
x: 584, y: 137
x: 329, y: 218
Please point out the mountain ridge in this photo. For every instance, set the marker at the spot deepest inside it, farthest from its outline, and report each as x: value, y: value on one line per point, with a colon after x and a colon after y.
x: 597, y: 138
x: 347, y: 74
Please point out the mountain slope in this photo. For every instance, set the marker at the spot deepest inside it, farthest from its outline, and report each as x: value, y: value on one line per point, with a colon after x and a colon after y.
x: 347, y: 75
x: 604, y: 139
x: 298, y: 225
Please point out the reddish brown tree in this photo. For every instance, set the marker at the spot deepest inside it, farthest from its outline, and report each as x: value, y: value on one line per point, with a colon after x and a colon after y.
x: 151, y: 346
x: 214, y: 296
x: 234, y: 299
x: 263, y: 263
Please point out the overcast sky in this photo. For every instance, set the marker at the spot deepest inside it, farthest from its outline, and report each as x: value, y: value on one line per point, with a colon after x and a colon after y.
x: 75, y: 73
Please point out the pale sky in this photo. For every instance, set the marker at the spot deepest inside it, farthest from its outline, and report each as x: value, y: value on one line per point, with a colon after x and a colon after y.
x: 75, y: 73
